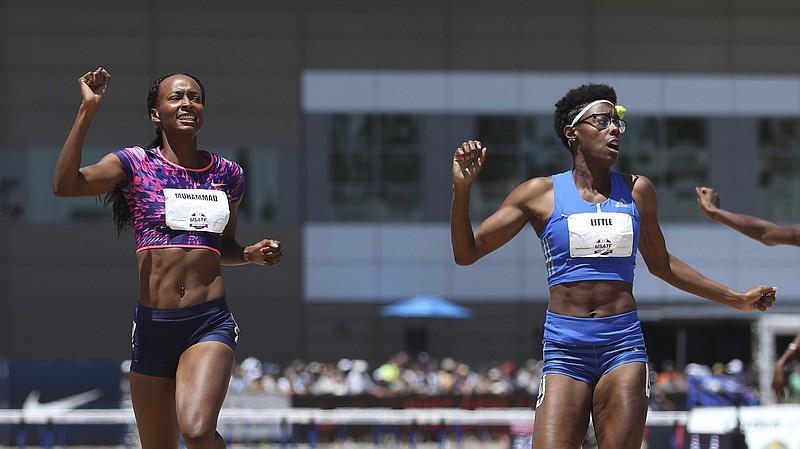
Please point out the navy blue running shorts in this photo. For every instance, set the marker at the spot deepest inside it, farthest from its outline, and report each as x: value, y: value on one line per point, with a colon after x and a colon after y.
x: 160, y: 336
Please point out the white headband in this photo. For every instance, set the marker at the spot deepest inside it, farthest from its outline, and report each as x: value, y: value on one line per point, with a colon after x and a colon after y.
x: 586, y: 108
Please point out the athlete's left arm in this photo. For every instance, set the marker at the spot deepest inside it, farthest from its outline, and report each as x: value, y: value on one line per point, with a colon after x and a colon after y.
x: 675, y: 272
x: 267, y: 252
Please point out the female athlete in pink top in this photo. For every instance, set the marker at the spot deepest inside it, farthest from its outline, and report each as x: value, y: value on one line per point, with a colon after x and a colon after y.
x: 182, y: 203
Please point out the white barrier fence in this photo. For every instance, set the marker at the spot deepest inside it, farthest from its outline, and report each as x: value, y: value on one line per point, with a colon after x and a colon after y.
x: 352, y: 416
x: 277, y: 424
x: 763, y: 426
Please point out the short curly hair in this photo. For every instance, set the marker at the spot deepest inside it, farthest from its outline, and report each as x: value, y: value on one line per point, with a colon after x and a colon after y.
x: 574, y: 100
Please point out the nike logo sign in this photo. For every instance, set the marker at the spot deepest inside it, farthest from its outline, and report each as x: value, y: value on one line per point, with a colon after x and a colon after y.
x: 33, y: 410
x: 217, y: 184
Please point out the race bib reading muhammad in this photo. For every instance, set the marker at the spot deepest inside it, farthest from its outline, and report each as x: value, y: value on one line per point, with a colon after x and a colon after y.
x: 196, y: 210
x: 600, y: 234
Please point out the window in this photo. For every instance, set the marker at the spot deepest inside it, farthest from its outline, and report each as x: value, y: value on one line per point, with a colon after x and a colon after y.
x: 779, y: 161
x: 683, y: 167
x: 377, y: 162
x: 542, y: 151
x: 376, y: 167
x: 500, y: 172
x: 640, y: 153
x: 260, y: 202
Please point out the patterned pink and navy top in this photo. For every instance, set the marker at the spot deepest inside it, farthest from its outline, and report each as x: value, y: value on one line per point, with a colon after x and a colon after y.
x: 148, y: 172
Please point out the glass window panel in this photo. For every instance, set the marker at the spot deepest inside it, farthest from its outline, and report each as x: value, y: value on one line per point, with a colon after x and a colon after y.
x: 677, y: 206
x: 779, y: 162
x: 351, y: 167
x: 686, y: 132
x: 494, y: 131
x: 379, y: 153
x: 643, y: 131
x: 351, y: 129
x: 399, y: 129
x: 352, y: 203
x: 546, y: 163
x: 401, y: 168
x: 684, y: 166
x: 687, y: 169
x: 502, y: 169
x: 499, y: 168
x: 351, y: 148
x: 261, y: 201
x: 778, y: 167
x: 687, y: 152
x: 388, y: 157
x: 400, y: 204
x: 782, y: 133
x: 538, y: 133
x: 543, y: 154
x: 639, y: 153
x: 486, y: 199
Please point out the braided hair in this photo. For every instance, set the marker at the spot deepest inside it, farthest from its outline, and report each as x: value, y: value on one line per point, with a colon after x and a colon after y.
x: 119, y: 207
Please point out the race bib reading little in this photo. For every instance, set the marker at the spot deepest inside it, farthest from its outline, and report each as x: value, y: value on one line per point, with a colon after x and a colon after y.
x: 196, y: 210
x: 600, y: 234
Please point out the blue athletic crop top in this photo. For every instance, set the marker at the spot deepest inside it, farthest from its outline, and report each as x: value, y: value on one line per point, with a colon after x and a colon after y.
x: 175, y: 206
x: 584, y: 241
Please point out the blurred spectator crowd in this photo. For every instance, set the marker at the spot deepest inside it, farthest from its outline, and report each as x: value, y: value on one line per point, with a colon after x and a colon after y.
x: 721, y: 384
x: 398, y: 376
x: 730, y: 383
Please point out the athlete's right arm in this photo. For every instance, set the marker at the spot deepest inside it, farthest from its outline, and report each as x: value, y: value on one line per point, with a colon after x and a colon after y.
x: 500, y: 227
x: 69, y: 178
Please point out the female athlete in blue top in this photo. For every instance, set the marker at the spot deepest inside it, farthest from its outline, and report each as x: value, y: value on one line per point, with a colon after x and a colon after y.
x: 591, y: 221
x: 181, y: 202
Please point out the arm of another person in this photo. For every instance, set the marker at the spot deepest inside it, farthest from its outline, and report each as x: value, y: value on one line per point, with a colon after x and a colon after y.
x: 266, y: 252
x: 69, y: 178
x: 510, y: 218
x: 675, y: 272
x: 756, y: 228
x: 779, y: 374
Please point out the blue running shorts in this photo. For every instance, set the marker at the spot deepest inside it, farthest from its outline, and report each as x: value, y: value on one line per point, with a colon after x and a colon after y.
x: 160, y: 336
x: 587, y: 348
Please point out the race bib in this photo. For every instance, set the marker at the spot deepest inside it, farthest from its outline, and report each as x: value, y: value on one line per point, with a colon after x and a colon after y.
x: 196, y: 210
x: 600, y: 234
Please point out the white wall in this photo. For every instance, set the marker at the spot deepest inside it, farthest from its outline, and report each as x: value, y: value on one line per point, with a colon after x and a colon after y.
x: 382, y: 263
x: 427, y: 92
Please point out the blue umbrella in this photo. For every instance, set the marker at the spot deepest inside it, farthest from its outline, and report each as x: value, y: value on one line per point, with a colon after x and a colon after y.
x: 426, y: 306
